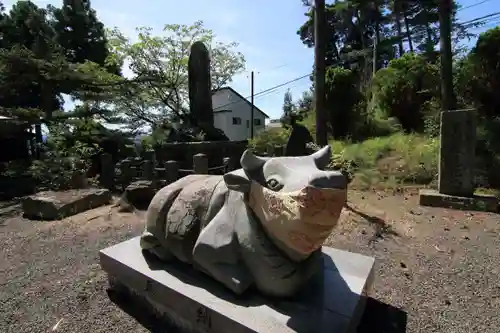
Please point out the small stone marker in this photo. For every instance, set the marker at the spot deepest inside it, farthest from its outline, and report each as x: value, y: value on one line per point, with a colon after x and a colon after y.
x: 456, y: 166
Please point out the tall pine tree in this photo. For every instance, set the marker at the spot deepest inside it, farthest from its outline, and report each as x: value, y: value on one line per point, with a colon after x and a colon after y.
x: 80, y: 33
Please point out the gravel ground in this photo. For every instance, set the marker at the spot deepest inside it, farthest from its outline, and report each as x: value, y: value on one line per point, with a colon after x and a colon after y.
x: 437, y: 270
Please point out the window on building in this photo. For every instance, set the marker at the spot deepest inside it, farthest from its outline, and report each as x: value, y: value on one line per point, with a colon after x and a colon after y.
x: 257, y: 122
x: 248, y: 123
x: 236, y: 121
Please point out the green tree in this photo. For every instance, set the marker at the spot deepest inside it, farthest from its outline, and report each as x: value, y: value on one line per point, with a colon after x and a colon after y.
x: 478, y: 75
x: 80, y: 34
x: 160, y: 64
x: 404, y: 88
x: 288, y: 108
x: 367, y: 34
x: 26, y: 31
x: 342, y: 95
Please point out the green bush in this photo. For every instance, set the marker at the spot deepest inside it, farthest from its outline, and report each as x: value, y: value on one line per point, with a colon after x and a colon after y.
x: 403, y: 88
x: 62, y: 167
x: 277, y: 136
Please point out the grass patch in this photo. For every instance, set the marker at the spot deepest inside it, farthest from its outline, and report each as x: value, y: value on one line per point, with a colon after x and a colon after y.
x: 488, y: 191
x: 390, y: 161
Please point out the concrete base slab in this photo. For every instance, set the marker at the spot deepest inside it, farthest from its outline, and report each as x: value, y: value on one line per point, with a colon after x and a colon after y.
x: 432, y: 198
x: 191, y: 301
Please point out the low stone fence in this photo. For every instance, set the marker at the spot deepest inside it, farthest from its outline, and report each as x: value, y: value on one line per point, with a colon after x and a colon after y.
x: 120, y: 175
x: 216, y: 151
x: 127, y: 171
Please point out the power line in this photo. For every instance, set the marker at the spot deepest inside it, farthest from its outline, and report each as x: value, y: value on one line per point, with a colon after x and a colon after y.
x: 473, y: 5
x: 267, y: 90
x: 276, y: 90
x: 474, y: 20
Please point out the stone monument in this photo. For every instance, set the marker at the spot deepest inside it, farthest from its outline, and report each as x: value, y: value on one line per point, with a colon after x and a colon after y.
x: 456, y: 184
x: 199, y: 84
x: 200, y: 93
x: 243, y: 252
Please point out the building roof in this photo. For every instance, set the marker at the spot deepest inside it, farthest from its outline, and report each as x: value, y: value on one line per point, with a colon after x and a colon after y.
x: 240, y: 96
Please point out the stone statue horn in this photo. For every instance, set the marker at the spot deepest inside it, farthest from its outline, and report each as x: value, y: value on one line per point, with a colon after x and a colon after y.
x: 322, y: 157
x: 249, y: 161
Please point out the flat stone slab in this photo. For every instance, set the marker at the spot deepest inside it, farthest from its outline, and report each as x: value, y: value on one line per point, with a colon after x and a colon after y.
x: 432, y: 198
x: 334, y: 302
x: 53, y: 205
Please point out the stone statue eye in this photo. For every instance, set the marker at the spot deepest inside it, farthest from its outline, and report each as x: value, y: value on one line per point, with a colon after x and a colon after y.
x: 273, y: 184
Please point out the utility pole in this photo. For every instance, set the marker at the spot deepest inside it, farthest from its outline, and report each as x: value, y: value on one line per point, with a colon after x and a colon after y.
x: 447, y: 93
x: 319, y: 72
x: 251, y: 102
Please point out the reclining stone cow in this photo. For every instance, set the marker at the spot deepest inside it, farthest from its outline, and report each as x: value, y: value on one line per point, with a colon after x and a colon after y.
x: 261, y: 225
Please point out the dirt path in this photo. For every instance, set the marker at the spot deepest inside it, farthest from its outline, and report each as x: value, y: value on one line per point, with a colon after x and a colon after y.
x: 437, y: 270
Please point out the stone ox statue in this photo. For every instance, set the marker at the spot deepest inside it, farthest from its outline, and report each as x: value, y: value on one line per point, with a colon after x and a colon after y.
x: 261, y: 225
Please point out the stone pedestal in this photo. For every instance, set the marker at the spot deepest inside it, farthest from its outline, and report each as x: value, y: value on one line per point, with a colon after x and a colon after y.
x: 485, y: 203
x: 333, y: 302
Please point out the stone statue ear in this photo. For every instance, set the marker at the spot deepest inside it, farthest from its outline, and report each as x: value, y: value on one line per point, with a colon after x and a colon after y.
x: 322, y: 157
x: 237, y: 180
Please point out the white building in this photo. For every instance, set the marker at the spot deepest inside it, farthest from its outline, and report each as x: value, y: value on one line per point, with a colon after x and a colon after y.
x: 232, y: 114
x: 274, y: 123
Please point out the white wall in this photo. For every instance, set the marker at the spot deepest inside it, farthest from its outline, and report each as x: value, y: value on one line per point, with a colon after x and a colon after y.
x: 232, y: 106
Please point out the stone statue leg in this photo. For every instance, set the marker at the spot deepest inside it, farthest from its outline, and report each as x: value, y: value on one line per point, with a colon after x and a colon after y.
x: 274, y: 274
x: 216, y: 253
x: 154, y: 237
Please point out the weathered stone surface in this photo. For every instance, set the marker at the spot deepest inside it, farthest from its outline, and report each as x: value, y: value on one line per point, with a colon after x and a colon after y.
x: 200, y: 85
x: 138, y: 194
x: 433, y: 198
x: 333, y: 302
x: 457, y: 153
x: 53, y: 205
x: 226, y: 226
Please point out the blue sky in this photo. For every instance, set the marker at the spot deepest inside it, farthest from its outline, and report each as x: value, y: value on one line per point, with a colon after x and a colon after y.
x: 264, y: 29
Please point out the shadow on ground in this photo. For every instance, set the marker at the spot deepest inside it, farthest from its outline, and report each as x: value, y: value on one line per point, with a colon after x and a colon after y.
x: 382, y: 318
x: 381, y: 227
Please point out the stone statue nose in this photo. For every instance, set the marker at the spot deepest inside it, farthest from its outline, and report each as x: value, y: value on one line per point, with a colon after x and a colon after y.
x: 329, y: 179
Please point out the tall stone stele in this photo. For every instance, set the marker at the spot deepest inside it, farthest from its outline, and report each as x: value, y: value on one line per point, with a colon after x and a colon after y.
x: 200, y: 92
x: 200, y: 96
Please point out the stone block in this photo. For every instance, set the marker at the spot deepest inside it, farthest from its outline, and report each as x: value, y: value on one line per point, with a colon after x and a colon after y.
x: 191, y: 301
x: 138, y: 194
x: 432, y: 198
x: 52, y: 205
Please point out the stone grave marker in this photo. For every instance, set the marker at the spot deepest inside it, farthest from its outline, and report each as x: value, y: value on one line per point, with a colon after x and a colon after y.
x: 456, y: 184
